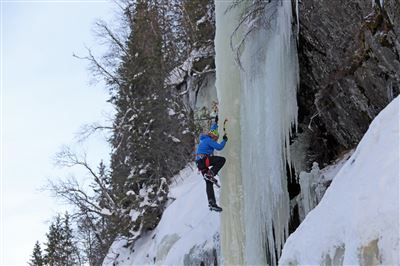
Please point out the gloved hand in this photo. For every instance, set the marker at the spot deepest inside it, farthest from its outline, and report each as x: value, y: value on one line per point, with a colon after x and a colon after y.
x: 225, y: 137
x: 216, y: 119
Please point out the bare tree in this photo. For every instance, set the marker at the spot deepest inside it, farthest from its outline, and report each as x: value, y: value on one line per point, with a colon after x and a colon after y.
x: 95, y: 206
x: 88, y: 130
x: 68, y: 158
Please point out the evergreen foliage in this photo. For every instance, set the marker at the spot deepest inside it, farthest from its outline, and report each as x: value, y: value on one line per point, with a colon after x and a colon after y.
x: 70, y: 254
x: 54, y: 243
x: 37, y: 257
x: 198, y: 22
x: 149, y: 139
x: 61, y: 248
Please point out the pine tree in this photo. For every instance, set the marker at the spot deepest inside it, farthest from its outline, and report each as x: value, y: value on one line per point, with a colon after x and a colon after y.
x: 142, y: 134
x: 37, y: 257
x: 70, y: 252
x: 61, y: 247
x: 149, y: 125
x: 198, y: 22
x: 54, y: 249
x: 105, y: 180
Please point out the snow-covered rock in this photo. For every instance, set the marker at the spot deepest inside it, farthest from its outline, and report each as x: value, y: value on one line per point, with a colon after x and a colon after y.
x: 188, y: 233
x: 178, y: 74
x: 357, y: 220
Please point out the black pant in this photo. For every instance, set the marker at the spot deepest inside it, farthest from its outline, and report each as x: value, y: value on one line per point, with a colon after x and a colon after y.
x: 216, y: 162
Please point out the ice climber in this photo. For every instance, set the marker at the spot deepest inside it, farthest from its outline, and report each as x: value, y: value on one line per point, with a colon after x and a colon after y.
x: 205, y: 159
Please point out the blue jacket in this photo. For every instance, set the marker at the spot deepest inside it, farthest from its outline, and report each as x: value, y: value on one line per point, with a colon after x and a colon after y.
x: 207, y: 146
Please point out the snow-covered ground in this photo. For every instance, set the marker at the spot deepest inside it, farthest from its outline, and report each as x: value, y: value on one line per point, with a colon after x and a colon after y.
x: 187, y: 234
x: 357, y: 220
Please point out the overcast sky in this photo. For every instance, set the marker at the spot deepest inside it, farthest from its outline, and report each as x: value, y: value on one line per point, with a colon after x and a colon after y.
x: 45, y: 98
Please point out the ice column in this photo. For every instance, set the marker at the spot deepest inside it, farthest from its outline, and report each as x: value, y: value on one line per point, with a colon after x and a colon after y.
x: 228, y: 92
x: 308, y: 184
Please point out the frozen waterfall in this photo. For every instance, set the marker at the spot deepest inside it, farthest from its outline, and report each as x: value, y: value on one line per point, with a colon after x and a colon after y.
x: 228, y: 92
x: 259, y: 100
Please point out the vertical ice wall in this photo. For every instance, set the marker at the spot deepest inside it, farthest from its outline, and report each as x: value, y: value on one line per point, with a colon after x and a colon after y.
x: 228, y: 92
x: 269, y: 109
x: 262, y: 108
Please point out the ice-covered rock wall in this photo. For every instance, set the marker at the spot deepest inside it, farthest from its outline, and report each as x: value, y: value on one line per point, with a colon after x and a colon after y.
x: 259, y: 98
x: 194, y: 79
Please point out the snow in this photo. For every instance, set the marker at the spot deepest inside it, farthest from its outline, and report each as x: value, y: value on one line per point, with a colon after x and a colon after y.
x: 142, y: 192
x: 186, y: 223
x: 329, y: 172
x: 357, y: 220
x: 178, y: 74
x: 142, y: 171
x: 138, y: 75
x: 171, y: 112
x: 105, y: 211
x: 174, y: 139
x: 201, y: 21
x: 130, y: 192
x: 134, y: 214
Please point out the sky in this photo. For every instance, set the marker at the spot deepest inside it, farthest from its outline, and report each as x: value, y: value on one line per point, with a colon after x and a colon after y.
x: 46, y: 96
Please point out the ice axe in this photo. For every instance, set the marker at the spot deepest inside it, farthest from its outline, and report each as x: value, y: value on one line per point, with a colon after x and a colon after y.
x: 224, y: 125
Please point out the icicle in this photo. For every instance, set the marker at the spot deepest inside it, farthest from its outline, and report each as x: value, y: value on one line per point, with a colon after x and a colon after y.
x: 298, y: 19
x: 381, y: 2
x: 309, y: 198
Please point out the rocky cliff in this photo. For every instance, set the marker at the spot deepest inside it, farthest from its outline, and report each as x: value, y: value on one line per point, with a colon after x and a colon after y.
x: 349, y: 53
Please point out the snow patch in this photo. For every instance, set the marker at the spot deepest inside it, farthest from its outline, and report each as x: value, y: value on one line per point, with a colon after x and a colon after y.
x: 186, y: 230
x: 201, y: 21
x: 174, y: 139
x: 134, y: 214
x: 130, y: 192
x: 178, y: 74
x: 357, y: 220
x: 105, y: 211
x: 142, y: 171
x: 171, y: 112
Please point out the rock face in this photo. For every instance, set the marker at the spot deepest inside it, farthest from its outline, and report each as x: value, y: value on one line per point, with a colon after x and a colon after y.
x: 349, y: 53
